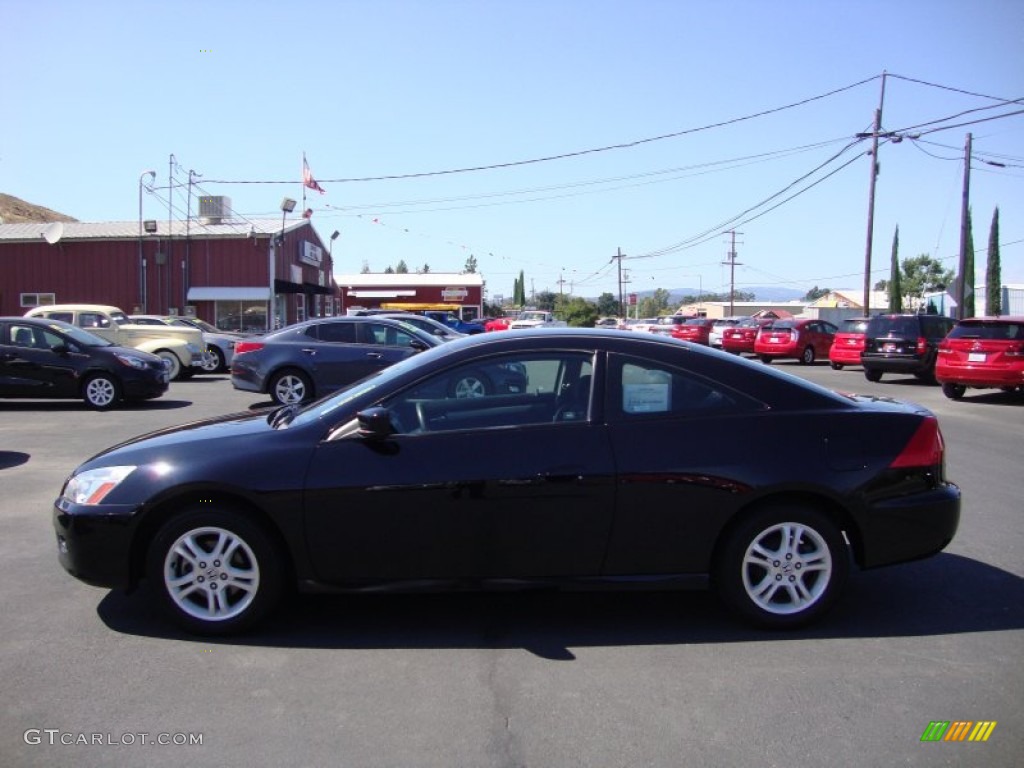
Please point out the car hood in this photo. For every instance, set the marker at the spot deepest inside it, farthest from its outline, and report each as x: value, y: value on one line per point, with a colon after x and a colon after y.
x: 231, y: 429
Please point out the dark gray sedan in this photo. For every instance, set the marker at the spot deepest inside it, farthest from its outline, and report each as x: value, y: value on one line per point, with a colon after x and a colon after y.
x: 309, y: 360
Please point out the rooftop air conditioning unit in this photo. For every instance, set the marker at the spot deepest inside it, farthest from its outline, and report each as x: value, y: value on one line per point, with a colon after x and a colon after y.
x: 214, y: 209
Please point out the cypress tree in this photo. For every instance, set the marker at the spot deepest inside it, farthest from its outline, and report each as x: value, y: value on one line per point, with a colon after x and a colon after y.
x: 895, y: 289
x: 993, y: 271
x: 968, y: 275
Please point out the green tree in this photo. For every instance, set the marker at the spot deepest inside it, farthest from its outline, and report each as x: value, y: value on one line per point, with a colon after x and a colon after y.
x: 968, y: 276
x: 545, y: 300
x: 923, y: 274
x: 519, y: 293
x: 470, y: 268
x: 816, y: 293
x: 390, y: 270
x: 607, y: 305
x: 402, y: 268
x: 993, y: 271
x: 576, y: 311
x: 366, y: 268
x: 896, y: 287
x: 425, y: 269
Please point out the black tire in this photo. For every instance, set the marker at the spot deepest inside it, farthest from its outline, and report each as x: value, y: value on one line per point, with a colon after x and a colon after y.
x: 800, y: 584
x: 872, y: 375
x: 101, y: 391
x: 291, y: 386
x: 954, y: 391
x: 807, y: 356
x: 201, y: 592
x: 470, y: 384
x: 837, y: 366
x: 766, y: 359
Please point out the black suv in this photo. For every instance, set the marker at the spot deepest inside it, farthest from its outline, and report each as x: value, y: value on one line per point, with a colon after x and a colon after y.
x: 903, y: 344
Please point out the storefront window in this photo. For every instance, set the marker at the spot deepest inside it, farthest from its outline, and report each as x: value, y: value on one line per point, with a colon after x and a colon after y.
x: 244, y: 316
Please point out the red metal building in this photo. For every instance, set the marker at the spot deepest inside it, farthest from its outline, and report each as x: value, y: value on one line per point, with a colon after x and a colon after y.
x: 218, y: 270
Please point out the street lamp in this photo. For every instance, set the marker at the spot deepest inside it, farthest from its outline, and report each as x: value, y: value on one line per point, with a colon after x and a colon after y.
x: 287, y: 206
x: 142, y: 261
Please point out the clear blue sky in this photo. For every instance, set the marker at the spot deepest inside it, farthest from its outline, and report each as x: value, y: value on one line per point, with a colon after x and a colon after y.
x: 97, y: 92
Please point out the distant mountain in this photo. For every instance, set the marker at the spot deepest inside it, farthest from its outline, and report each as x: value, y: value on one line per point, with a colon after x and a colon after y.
x: 761, y: 293
x: 14, y: 210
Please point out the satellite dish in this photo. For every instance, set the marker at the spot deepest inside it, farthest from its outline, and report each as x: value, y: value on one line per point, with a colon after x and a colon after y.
x: 53, y: 232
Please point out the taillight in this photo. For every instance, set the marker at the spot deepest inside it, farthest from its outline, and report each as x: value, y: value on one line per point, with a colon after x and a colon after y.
x: 1014, y: 351
x: 922, y: 345
x: 944, y: 349
x: 247, y: 346
x: 924, y: 449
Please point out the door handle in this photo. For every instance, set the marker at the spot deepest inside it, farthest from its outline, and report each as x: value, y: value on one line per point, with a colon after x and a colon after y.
x: 309, y: 351
x: 374, y: 355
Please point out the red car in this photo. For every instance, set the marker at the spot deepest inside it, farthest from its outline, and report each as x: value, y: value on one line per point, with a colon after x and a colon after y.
x: 983, y: 353
x: 848, y: 343
x: 741, y: 337
x: 498, y: 323
x: 695, y: 329
x: 806, y: 340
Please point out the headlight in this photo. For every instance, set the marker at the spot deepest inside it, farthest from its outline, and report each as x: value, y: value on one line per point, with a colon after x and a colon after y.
x: 92, y: 486
x: 132, y: 362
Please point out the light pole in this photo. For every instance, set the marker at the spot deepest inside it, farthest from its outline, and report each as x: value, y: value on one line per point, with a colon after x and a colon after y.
x: 328, y: 281
x: 142, y: 261
x: 287, y: 206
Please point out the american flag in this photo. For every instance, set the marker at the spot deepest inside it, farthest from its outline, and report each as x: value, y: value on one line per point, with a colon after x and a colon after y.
x: 307, y: 178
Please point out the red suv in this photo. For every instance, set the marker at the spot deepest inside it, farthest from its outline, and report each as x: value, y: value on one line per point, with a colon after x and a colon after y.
x: 984, y: 353
x: 848, y: 343
x: 806, y: 340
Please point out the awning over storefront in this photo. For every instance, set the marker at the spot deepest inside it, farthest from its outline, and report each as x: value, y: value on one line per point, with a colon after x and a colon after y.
x: 225, y: 293
x: 287, y: 286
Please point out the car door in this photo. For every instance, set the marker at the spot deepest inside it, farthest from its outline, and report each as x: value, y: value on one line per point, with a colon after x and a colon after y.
x: 29, y: 366
x: 493, y: 487
x: 678, y: 439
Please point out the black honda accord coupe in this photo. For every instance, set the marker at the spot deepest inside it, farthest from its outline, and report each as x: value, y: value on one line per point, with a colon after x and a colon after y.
x: 626, y: 460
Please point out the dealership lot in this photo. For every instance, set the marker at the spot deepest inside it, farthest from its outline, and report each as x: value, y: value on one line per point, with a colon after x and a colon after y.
x: 514, y: 679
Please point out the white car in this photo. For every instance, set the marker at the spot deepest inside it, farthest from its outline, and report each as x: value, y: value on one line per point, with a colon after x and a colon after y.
x: 643, y: 325
x: 536, y: 318
x: 220, y: 345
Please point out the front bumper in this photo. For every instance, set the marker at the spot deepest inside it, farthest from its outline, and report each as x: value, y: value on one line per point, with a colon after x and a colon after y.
x: 94, y: 542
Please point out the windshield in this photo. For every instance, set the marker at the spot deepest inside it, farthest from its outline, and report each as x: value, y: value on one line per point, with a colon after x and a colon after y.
x: 120, y: 318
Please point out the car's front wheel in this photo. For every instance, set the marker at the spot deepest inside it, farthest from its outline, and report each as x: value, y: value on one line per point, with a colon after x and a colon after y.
x: 837, y: 366
x: 290, y: 387
x: 214, y: 361
x: 782, y: 567
x: 954, y: 391
x: 174, y: 369
x: 216, y: 571
x: 101, y: 391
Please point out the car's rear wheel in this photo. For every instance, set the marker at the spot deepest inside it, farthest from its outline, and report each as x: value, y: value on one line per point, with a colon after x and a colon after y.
x: 214, y: 360
x: 290, y: 387
x: 217, y: 572
x: 101, y: 391
x: 174, y: 371
x: 782, y: 567
x: 470, y: 384
x: 766, y: 359
x: 954, y: 391
x: 872, y: 375
x: 807, y: 357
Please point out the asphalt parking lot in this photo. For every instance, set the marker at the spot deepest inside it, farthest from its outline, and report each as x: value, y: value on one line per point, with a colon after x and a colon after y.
x: 93, y: 677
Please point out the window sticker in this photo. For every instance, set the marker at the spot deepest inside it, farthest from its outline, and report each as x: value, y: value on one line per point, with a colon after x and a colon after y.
x: 645, y: 398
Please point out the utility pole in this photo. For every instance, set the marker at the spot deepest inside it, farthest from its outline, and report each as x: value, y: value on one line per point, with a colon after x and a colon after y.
x: 965, y: 206
x: 732, y: 263
x: 871, y: 198
x: 622, y: 307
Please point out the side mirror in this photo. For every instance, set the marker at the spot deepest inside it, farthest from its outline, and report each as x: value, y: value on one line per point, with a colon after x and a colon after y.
x: 60, y: 349
x: 375, y: 423
x: 418, y: 345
